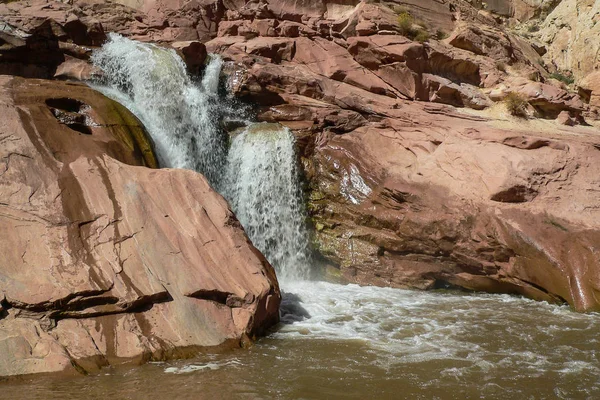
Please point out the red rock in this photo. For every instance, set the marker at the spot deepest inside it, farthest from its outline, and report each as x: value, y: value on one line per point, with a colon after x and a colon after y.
x: 591, y: 88
x: 428, y: 194
x: 74, y: 68
x: 326, y: 58
x: 408, y: 185
x: 565, y: 119
x: 265, y: 27
x: 193, y: 54
x: 155, y: 257
x: 292, y: 29
x: 275, y: 49
x: 441, y: 90
x: 378, y: 50
x: 493, y: 42
x: 230, y: 28
x: 548, y: 100
x: 425, y: 194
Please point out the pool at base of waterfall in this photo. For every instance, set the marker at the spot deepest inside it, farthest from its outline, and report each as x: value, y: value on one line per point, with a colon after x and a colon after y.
x: 335, y: 341
x: 352, y: 342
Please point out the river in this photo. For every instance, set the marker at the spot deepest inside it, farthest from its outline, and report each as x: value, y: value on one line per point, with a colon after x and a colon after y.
x: 335, y: 341
x: 373, y: 343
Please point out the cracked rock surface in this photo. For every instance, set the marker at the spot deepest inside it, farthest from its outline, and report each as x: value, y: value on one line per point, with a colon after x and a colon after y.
x: 103, y: 259
x: 418, y: 194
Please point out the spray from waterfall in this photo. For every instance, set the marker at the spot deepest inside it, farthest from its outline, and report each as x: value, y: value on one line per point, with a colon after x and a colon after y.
x: 258, y: 175
x: 182, y: 117
x: 262, y: 183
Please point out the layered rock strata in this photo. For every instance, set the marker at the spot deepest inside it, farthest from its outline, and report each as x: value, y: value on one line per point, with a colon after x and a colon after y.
x: 411, y: 194
x: 418, y: 176
x: 103, y: 259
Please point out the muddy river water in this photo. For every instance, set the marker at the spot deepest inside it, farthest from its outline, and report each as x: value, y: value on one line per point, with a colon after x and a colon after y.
x: 351, y: 342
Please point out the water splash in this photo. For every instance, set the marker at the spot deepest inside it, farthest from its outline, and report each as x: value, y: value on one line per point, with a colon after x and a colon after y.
x: 183, y: 118
x: 262, y: 183
x: 259, y: 176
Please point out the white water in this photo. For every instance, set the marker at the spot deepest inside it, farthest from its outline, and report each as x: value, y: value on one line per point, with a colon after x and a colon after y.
x: 263, y: 187
x: 182, y: 117
x: 467, y: 338
x: 258, y: 175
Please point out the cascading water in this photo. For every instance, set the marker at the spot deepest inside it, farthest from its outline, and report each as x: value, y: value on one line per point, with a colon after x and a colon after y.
x: 262, y: 185
x: 182, y: 117
x: 363, y: 339
x: 259, y: 176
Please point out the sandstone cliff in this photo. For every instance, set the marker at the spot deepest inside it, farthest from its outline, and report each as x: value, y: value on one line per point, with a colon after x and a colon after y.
x: 413, y: 194
x: 103, y: 259
x: 418, y: 175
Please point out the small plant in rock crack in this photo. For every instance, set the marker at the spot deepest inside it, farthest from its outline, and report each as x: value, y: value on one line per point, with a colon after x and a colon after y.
x: 516, y: 104
x: 568, y: 79
x: 405, y: 23
x: 411, y: 28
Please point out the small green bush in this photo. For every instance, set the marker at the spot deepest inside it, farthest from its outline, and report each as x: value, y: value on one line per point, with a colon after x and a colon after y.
x: 405, y: 23
x: 421, y: 36
x: 516, y: 104
x: 501, y: 65
x: 533, y: 28
x: 568, y: 79
x: 440, y: 34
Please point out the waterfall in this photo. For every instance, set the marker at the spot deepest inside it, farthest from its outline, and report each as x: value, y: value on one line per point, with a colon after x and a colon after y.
x: 182, y: 117
x: 258, y: 176
x: 262, y: 183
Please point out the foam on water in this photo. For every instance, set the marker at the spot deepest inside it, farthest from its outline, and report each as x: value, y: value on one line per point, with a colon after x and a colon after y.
x: 464, y: 337
x: 212, y: 366
x: 481, y: 332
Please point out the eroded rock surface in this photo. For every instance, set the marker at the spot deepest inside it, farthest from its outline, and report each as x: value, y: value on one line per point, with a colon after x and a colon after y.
x: 437, y: 201
x: 103, y: 259
x: 411, y: 194
x: 411, y: 183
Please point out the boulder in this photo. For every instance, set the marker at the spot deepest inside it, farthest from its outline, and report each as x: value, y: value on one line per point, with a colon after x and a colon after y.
x: 565, y: 119
x: 76, y: 69
x: 107, y: 261
x: 440, y: 90
x: 589, y: 88
x: 460, y: 203
x: 483, y: 40
x: 496, y: 43
x: 193, y: 54
x: 333, y: 61
x: 548, y: 100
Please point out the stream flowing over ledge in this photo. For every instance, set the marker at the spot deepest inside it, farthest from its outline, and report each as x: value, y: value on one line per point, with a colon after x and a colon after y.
x: 391, y: 120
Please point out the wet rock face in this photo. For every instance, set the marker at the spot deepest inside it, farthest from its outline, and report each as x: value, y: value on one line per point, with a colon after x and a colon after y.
x: 106, y: 261
x: 400, y: 207
x: 417, y: 194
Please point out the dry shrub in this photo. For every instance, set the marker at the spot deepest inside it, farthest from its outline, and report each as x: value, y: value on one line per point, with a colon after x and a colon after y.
x: 516, y: 104
x: 440, y: 34
x: 421, y: 36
